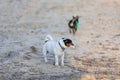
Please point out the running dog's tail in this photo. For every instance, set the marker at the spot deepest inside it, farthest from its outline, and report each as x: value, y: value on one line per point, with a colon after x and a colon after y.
x: 48, y: 38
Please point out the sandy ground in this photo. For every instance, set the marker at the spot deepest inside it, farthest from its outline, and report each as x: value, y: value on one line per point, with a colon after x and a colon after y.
x: 25, y: 23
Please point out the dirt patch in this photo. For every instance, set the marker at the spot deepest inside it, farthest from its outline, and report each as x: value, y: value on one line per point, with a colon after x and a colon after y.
x: 24, y: 25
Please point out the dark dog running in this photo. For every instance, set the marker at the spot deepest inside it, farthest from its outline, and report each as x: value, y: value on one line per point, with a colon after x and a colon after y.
x: 73, y: 24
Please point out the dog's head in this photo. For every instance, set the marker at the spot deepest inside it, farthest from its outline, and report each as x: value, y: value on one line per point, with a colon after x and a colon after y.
x: 66, y: 43
x: 76, y: 17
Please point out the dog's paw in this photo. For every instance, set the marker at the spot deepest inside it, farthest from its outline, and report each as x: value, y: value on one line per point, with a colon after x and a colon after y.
x: 62, y: 64
x: 46, y: 61
x: 56, y: 64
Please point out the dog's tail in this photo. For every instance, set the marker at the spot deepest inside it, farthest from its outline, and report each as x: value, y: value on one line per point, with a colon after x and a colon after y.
x: 48, y: 38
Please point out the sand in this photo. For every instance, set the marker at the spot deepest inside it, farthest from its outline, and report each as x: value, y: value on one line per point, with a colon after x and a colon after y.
x: 25, y: 23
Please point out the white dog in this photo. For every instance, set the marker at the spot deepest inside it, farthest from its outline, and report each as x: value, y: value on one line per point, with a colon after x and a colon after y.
x: 57, y: 48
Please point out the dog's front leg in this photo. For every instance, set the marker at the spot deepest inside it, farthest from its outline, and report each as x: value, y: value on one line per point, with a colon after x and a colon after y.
x: 62, y: 60
x: 45, y: 58
x: 56, y: 60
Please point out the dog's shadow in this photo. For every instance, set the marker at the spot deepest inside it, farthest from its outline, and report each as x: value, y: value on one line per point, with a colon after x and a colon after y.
x: 51, y: 59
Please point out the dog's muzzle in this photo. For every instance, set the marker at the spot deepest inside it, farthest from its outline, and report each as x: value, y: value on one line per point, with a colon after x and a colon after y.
x: 72, y: 45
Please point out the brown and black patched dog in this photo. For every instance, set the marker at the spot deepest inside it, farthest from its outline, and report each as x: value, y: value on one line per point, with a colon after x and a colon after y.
x: 73, y: 24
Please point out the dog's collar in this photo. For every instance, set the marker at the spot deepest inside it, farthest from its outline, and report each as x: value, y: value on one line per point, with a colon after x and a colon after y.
x: 61, y: 46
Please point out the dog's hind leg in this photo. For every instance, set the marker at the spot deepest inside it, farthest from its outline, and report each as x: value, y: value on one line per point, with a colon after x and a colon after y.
x: 70, y: 30
x: 44, y: 54
x: 74, y: 31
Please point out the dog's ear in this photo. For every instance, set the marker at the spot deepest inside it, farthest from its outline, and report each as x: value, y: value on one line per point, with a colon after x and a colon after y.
x: 67, y: 41
x: 77, y: 17
x: 63, y: 38
x: 73, y: 17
